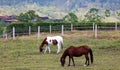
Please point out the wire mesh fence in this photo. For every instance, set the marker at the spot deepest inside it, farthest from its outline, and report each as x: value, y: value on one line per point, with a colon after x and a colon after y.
x: 92, y: 29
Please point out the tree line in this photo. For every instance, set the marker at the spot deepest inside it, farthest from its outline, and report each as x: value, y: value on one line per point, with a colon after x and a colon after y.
x: 91, y: 16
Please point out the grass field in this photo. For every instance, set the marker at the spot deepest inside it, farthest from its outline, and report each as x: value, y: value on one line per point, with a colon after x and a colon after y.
x: 23, y: 53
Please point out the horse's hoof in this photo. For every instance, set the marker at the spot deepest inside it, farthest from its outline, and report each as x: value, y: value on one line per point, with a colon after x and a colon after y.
x: 85, y: 65
x: 68, y: 65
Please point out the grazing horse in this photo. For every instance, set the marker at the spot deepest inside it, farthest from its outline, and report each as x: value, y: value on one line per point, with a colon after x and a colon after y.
x: 77, y: 52
x: 55, y: 40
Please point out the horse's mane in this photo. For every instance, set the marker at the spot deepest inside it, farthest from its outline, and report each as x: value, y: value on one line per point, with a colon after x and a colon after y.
x: 66, y: 52
x: 43, y: 42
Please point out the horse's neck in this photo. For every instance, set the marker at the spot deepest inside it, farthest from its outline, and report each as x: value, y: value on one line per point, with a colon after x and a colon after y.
x: 43, y: 43
x: 64, y: 55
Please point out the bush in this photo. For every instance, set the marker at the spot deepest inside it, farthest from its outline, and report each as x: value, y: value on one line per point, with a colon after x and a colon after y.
x: 3, y: 24
x: 1, y: 31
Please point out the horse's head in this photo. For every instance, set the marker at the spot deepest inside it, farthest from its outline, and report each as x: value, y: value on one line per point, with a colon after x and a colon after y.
x: 62, y: 60
x: 41, y: 49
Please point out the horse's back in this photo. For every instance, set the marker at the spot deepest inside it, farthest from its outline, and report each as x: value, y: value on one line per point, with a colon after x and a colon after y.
x: 59, y: 38
x: 78, y: 51
x: 84, y: 47
x: 55, y: 37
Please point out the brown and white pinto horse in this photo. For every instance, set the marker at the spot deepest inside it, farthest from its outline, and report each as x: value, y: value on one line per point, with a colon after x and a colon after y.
x: 76, y: 52
x: 55, y: 40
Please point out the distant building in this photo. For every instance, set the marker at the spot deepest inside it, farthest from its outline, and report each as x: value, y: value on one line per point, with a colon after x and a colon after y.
x: 57, y: 20
x: 8, y: 19
x: 45, y: 18
x: 53, y: 20
x: 11, y: 20
x: 2, y: 17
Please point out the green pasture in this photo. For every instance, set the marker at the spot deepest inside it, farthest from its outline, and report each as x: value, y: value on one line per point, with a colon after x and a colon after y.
x: 23, y: 54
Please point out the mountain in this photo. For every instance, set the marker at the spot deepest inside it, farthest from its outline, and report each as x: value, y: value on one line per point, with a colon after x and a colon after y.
x: 56, y: 8
x: 109, y: 4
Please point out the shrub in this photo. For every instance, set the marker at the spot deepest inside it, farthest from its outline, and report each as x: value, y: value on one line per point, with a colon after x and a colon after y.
x: 1, y: 31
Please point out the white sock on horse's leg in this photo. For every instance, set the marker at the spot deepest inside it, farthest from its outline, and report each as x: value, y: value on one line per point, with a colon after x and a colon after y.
x: 49, y: 49
x: 58, y: 50
x: 85, y: 65
x: 45, y: 49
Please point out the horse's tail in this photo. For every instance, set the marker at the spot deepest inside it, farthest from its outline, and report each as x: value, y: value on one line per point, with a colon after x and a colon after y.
x: 61, y: 42
x: 62, y: 45
x: 91, y: 55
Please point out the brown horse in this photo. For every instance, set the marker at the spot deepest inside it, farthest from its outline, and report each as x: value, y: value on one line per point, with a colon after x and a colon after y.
x: 77, y: 52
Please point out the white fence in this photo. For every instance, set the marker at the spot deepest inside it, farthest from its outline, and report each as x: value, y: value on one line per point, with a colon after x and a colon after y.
x: 63, y: 28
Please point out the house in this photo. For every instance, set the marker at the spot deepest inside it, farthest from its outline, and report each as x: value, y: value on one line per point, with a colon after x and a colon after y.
x: 57, y: 20
x: 8, y: 19
x: 44, y: 18
x: 2, y: 17
x: 54, y: 20
x: 11, y: 20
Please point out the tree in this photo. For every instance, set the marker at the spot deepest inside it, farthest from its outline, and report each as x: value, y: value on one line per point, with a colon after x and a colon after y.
x: 107, y: 13
x: 1, y: 30
x: 93, y: 16
x: 28, y: 16
x: 118, y: 13
x: 71, y: 17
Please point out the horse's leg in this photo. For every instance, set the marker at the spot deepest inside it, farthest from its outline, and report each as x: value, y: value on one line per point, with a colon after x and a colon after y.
x: 88, y: 60
x: 85, y: 61
x: 61, y: 43
x: 86, y: 56
x: 45, y: 49
x: 69, y: 61
x: 49, y: 49
x: 73, y: 61
x: 59, y: 48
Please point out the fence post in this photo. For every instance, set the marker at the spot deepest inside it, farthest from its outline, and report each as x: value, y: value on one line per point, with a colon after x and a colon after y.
x: 93, y: 26
x: 71, y: 27
x: 115, y: 26
x: 38, y: 32
x: 62, y: 30
x: 29, y: 30
x: 95, y: 30
x: 13, y: 32
x: 4, y: 34
x: 50, y: 29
